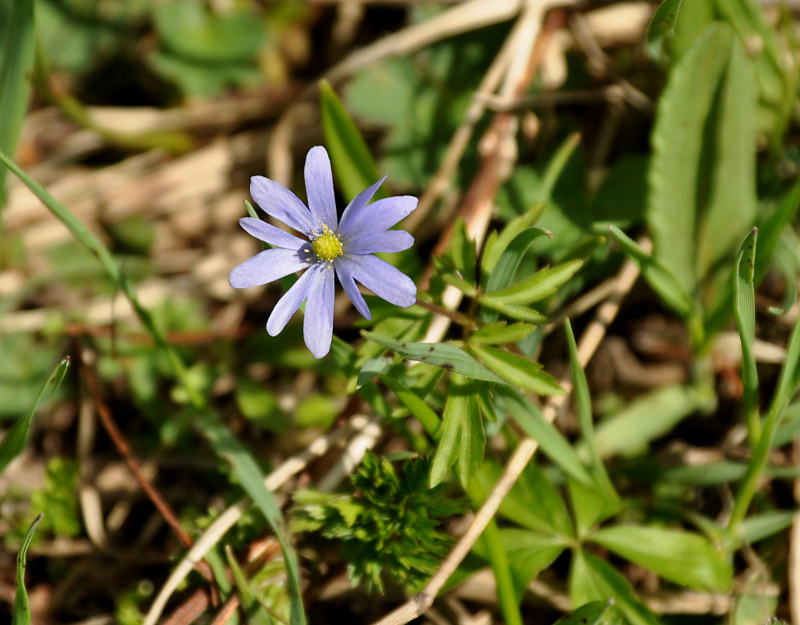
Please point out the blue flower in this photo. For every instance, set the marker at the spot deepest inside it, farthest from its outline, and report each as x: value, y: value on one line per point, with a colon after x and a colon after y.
x: 343, y: 247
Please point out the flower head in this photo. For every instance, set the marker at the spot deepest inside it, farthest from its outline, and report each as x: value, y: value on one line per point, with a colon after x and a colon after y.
x: 344, y: 248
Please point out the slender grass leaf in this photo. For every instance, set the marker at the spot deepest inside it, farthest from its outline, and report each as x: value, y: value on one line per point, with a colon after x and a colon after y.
x: 658, y: 277
x: 760, y: 526
x: 246, y: 470
x: 523, y: 313
x: 593, y: 613
x: 539, y: 286
x: 17, y: 437
x: 500, y: 333
x: 518, y: 370
x: 744, y: 309
x: 585, y: 422
x: 354, y: 168
x: 424, y: 414
x: 551, y: 441
x: 592, y: 579
x: 254, y: 611
x: 22, y: 607
x: 448, y: 357
x: 683, y: 557
x: 16, y: 64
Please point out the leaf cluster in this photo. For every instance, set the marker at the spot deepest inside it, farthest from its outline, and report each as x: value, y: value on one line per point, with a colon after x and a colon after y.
x: 388, y: 525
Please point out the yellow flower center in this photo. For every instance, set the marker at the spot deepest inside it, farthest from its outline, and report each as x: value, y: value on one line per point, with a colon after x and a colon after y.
x: 328, y: 245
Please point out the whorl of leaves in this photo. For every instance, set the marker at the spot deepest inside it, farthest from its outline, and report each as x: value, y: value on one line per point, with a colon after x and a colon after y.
x: 388, y: 525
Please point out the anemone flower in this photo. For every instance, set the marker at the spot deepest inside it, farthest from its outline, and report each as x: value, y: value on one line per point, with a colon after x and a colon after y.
x: 344, y: 247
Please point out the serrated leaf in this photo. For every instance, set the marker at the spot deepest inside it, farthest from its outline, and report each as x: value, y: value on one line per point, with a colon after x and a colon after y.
x: 683, y: 557
x: 658, y: 277
x: 17, y: 437
x: 462, y: 435
x: 22, y: 607
x: 354, y: 166
x: 448, y: 357
x: 518, y: 370
x: 500, y: 333
x: 542, y: 284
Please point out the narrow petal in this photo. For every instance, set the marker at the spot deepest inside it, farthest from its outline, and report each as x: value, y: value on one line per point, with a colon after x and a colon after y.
x: 290, y: 302
x: 318, y: 322
x: 351, y: 290
x: 376, y: 217
x: 381, y: 278
x: 384, y: 241
x: 278, y: 202
x: 270, y: 234
x: 265, y: 267
x: 319, y: 187
x: 355, y: 207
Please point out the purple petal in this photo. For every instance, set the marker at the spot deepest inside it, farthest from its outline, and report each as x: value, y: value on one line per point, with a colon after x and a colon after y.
x: 351, y: 290
x: 354, y: 208
x: 319, y: 187
x: 291, y: 300
x: 381, y: 278
x: 376, y: 217
x: 270, y: 234
x: 278, y: 202
x: 384, y: 241
x: 318, y: 322
x: 265, y: 267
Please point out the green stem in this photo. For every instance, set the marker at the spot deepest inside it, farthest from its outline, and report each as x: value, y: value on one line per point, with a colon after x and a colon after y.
x: 498, y: 559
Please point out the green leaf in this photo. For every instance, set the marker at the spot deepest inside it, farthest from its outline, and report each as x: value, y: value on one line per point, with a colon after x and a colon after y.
x: 500, y: 264
x: 256, y: 613
x: 551, y: 441
x: 593, y: 613
x: 662, y: 29
x: 17, y: 437
x: 590, y: 506
x: 760, y: 526
x: 462, y: 437
x: 523, y: 313
x: 461, y: 252
x: 529, y: 553
x: 500, y: 333
x: 22, y: 607
x: 424, y: 414
x: 448, y: 357
x: 539, y: 286
x: 683, y: 557
x: 646, y: 418
x: 657, y: 275
x: 518, y: 370
x: 353, y: 165
x: 247, y: 472
x: 702, y: 187
x: 592, y: 579
x: 532, y: 502
x: 16, y: 65
x: 744, y: 309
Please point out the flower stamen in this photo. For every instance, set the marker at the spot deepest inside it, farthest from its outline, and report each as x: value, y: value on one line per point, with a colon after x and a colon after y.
x: 328, y: 245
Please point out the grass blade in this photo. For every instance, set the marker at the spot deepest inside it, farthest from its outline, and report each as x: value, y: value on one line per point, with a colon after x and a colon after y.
x: 17, y: 437
x: 744, y: 308
x: 16, y: 63
x: 22, y: 607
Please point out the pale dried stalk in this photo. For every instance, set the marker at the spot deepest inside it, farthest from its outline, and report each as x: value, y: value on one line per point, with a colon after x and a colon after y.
x: 587, y: 346
x: 363, y: 426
